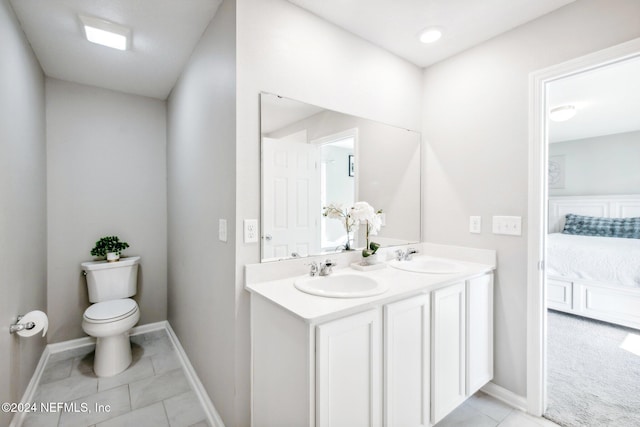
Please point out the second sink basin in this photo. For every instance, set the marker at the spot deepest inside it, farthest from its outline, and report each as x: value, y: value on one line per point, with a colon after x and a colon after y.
x: 345, y: 285
x: 426, y: 264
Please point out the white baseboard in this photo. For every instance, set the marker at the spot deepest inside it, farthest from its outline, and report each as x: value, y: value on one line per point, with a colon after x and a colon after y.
x: 212, y: 414
x: 213, y: 417
x: 30, y: 391
x: 506, y: 396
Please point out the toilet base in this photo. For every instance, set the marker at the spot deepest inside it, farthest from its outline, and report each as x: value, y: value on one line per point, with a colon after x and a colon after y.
x: 113, y: 355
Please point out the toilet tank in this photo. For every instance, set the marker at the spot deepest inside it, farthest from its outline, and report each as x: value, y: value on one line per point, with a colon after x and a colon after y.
x: 111, y: 280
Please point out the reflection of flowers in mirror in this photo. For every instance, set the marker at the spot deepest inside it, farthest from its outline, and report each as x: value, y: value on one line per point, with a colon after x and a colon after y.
x: 359, y: 213
x: 337, y: 211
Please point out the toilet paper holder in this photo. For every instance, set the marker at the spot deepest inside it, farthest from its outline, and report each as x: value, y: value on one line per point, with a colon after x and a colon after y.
x: 21, y: 326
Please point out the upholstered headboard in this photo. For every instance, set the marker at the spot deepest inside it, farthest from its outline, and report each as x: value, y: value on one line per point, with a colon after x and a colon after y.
x: 602, y: 206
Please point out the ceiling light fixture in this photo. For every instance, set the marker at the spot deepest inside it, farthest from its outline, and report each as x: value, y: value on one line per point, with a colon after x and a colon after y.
x: 430, y: 35
x: 106, y: 33
x: 562, y: 113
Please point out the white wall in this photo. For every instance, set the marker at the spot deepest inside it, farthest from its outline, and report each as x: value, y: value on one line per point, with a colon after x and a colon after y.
x: 600, y: 165
x: 201, y: 190
x: 475, y: 116
x: 106, y: 175
x: 285, y: 50
x: 23, y: 257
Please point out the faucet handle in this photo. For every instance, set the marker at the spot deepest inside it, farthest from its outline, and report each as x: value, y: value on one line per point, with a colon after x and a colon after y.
x: 400, y: 254
x: 314, y: 269
x: 410, y: 253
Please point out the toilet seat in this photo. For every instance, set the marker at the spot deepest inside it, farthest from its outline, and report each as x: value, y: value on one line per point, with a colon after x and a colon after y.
x: 110, y: 311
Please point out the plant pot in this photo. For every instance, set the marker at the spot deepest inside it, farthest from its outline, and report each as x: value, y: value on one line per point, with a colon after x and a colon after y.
x: 113, y: 256
x: 372, y: 259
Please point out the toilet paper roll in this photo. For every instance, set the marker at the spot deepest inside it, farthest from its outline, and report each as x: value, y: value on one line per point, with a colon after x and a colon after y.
x: 40, y: 320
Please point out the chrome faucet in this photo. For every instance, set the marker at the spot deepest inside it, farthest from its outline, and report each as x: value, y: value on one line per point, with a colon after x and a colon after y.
x: 321, y: 269
x: 405, y: 255
x: 313, y: 270
x: 326, y: 268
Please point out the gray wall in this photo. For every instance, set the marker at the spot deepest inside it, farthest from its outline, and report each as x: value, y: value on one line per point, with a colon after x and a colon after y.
x: 23, y: 254
x: 600, y: 165
x: 106, y: 175
x: 475, y: 115
x: 201, y: 190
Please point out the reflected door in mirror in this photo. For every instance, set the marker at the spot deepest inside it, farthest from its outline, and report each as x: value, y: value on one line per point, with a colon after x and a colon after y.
x: 290, y: 181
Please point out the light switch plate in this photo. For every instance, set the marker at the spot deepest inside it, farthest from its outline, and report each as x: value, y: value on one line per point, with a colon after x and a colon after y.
x: 250, y: 230
x: 509, y: 225
x: 475, y: 224
x: 222, y: 230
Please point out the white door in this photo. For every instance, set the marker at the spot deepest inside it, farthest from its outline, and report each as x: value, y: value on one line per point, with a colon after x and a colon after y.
x: 290, y: 184
x: 448, y: 355
x: 349, y: 371
x: 479, y: 332
x: 406, y: 362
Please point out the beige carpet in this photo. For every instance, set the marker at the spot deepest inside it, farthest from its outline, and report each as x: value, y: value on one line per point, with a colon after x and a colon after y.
x: 591, y: 381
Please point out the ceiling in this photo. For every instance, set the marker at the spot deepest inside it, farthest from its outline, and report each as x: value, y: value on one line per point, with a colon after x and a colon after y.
x: 164, y: 33
x: 395, y: 24
x: 607, y: 100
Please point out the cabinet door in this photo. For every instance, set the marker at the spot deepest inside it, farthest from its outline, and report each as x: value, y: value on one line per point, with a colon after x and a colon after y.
x: 406, y: 362
x: 448, y: 350
x: 479, y: 332
x: 349, y: 371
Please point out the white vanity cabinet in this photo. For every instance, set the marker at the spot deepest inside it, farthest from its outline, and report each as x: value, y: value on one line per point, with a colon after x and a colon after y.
x: 405, y: 362
x: 349, y: 371
x: 479, y: 332
x: 448, y: 379
x: 407, y: 334
x: 462, y: 343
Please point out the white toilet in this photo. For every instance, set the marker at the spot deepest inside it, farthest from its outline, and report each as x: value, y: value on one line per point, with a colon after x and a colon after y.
x: 110, y: 285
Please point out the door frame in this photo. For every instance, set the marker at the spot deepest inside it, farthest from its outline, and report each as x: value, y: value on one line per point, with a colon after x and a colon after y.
x: 537, y: 209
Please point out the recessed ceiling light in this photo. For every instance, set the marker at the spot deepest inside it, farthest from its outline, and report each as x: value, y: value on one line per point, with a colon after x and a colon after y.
x: 562, y: 113
x: 106, y: 33
x: 430, y: 35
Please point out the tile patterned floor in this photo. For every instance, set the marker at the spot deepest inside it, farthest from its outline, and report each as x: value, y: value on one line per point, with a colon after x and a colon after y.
x: 153, y: 392
x: 482, y: 410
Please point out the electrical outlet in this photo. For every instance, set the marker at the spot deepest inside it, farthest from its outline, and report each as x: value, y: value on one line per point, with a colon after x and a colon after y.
x: 510, y: 225
x: 475, y: 224
x: 222, y: 230
x: 250, y: 230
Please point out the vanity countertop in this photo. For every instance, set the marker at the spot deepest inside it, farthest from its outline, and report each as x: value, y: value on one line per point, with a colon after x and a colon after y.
x: 402, y: 284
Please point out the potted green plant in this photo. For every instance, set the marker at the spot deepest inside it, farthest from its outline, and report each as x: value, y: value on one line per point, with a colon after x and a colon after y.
x: 109, y: 247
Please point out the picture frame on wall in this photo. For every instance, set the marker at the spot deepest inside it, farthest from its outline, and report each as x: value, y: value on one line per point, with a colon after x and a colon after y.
x: 352, y: 165
x: 556, y: 172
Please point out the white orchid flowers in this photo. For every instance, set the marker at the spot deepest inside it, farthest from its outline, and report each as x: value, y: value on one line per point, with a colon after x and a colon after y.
x: 359, y: 213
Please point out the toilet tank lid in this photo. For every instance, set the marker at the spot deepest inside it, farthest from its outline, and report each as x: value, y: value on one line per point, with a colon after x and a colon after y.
x: 100, y: 265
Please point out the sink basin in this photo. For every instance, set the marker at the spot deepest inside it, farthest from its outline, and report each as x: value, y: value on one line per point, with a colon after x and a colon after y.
x: 347, y: 285
x: 430, y: 265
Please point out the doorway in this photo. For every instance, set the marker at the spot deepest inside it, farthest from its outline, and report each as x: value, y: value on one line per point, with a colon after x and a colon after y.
x: 540, y: 104
x: 337, y: 183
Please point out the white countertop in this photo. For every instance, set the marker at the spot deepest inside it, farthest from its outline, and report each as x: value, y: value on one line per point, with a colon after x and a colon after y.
x: 402, y: 284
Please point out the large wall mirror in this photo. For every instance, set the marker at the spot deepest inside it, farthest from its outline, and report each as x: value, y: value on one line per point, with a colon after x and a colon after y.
x: 313, y: 157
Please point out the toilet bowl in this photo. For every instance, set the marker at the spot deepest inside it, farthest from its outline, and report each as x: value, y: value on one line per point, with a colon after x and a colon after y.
x: 113, y: 314
x: 110, y: 322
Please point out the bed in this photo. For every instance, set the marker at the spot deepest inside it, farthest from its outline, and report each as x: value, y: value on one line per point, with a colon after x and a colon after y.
x: 594, y: 276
